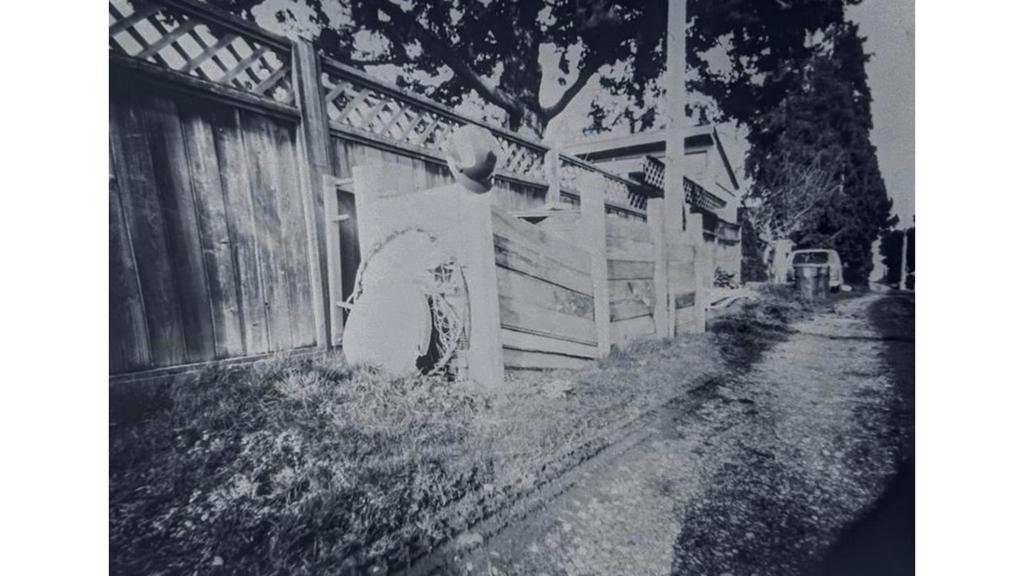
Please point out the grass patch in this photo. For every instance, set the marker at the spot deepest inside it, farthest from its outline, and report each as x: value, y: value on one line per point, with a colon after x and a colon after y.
x: 288, y: 467
x: 311, y: 466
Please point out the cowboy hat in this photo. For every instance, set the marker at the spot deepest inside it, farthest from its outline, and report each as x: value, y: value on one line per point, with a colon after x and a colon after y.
x: 472, y: 154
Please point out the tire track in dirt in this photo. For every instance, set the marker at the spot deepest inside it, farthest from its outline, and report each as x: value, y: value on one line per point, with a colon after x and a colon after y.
x: 720, y: 480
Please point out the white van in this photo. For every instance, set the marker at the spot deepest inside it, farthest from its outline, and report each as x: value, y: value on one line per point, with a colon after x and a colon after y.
x: 818, y: 256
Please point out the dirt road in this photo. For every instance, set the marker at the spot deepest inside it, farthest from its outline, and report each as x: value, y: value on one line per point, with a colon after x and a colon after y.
x: 756, y: 472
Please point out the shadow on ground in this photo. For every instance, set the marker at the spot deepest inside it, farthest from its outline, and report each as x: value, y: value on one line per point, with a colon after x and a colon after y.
x: 780, y: 503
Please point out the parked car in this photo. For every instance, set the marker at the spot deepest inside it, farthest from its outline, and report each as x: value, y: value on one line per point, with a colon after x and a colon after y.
x: 818, y: 256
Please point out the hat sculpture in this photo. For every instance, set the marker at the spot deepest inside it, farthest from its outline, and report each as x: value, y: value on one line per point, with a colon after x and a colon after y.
x: 472, y: 154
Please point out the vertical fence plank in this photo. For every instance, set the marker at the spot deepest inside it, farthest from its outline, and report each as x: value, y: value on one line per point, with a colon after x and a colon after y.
x: 238, y: 204
x: 486, y: 364
x: 129, y: 337
x: 702, y: 271
x: 593, y: 223
x: 170, y: 168
x: 316, y: 161
x: 305, y: 317
x: 211, y: 216
x: 263, y: 174
x: 145, y: 222
x: 656, y: 223
x: 552, y: 173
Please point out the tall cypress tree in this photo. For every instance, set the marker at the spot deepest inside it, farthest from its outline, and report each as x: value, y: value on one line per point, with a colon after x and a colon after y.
x: 814, y: 169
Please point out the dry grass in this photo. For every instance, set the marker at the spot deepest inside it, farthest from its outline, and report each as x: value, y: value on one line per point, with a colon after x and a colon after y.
x: 290, y: 467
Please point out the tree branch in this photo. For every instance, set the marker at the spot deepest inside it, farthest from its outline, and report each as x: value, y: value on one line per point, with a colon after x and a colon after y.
x: 590, y: 68
x: 452, y: 59
x: 378, y: 61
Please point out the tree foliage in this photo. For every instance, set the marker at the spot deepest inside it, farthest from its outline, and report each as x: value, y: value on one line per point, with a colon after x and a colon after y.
x: 814, y: 171
x: 493, y: 48
x: 766, y: 45
x: 791, y: 72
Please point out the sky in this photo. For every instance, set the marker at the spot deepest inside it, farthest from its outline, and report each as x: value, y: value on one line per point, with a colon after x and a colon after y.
x: 889, y: 28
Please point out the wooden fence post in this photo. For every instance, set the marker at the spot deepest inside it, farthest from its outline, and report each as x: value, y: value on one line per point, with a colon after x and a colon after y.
x: 662, y: 303
x: 552, y: 173
x: 594, y: 234
x: 486, y: 361
x: 315, y: 146
x: 333, y: 219
x: 701, y: 264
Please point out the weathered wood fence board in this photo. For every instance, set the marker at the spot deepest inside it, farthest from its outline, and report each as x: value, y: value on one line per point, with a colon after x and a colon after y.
x: 527, y: 342
x: 127, y: 312
x: 540, y: 292
x: 542, y: 360
x: 545, y: 296
x: 632, y: 296
x: 218, y: 237
x: 233, y: 165
x: 214, y: 236
x: 523, y: 316
x: 145, y: 228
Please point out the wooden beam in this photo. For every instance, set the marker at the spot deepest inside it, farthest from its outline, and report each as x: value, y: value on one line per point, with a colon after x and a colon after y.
x: 176, y: 81
x: 316, y: 155
x: 593, y: 231
x: 656, y: 221
x: 675, y: 95
x: 336, y: 317
x: 553, y: 173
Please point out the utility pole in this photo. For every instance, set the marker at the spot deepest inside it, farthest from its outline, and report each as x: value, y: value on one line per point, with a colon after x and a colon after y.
x: 675, y: 116
x: 677, y: 217
x: 903, y: 261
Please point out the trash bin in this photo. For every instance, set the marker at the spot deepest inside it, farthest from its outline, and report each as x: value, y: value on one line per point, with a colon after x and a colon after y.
x: 812, y: 280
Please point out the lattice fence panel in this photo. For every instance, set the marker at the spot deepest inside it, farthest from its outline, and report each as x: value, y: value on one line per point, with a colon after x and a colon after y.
x: 186, y: 43
x: 616, y: 190
x: 696, y: 195
x: 383, y: 115
x: 654, y: 172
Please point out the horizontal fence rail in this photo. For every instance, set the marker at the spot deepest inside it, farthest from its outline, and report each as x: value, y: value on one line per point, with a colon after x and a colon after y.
x: 191, y: 39
x: 621, y: 195
x: 696, y: 195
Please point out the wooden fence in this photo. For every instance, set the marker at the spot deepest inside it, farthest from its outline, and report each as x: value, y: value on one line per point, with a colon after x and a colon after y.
x: 546, y: 291
x: 221, y: 240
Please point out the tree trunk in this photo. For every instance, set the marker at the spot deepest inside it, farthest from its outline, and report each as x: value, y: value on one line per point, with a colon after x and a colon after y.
x: 535, y: 124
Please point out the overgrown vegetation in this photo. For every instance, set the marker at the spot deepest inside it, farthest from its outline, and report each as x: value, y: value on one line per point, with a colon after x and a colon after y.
x: 744, y: 335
